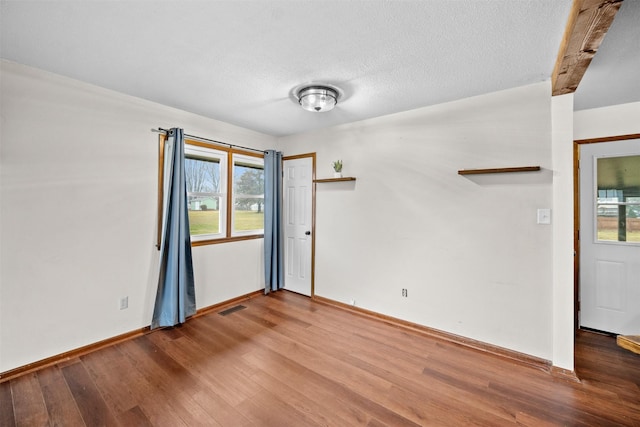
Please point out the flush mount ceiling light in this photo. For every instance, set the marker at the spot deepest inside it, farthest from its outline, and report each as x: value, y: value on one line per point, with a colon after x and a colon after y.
x: 317, y: 98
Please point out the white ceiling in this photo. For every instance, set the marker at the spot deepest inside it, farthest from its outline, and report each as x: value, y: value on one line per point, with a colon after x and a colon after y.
x: 241, y: 61
x: 614, y: 74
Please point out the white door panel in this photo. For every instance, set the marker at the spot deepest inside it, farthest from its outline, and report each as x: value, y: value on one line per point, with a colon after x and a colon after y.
x: 298, y: 202
x: 609, y: 269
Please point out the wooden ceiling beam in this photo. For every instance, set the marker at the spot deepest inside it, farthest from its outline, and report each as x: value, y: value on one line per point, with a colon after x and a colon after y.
x: 589, y: 21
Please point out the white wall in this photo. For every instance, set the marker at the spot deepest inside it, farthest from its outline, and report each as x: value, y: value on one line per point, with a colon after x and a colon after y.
x: 78, y: 209
x: 78, y: 215
x: 468, y: 249
x: 607, y: 121
x: 563, y: 250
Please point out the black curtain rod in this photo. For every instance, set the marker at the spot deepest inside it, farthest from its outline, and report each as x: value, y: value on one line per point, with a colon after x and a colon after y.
x: 213, y: 141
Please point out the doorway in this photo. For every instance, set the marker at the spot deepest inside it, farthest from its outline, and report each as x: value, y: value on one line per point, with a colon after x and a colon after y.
x: 299, y: 228
x: 608, y: 235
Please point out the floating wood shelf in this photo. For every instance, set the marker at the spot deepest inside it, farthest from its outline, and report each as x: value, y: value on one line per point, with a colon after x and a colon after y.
x: 499, y: 170
x: 346, y: 178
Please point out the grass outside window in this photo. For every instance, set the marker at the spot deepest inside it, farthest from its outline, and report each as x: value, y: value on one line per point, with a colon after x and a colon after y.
x: 206, y: 222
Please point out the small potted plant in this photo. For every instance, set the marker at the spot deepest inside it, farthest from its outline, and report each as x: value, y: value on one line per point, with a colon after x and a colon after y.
x: 337, y: 168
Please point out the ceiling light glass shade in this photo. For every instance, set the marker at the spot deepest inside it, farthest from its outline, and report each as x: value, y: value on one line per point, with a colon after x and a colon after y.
x: 318, y: 98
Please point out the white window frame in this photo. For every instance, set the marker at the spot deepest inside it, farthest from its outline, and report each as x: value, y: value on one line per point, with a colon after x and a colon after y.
x: 243, y: 159
x: 206, y: 153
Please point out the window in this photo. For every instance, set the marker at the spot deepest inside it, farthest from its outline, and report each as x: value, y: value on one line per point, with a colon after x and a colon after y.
x: 248, y: 195
x: 618, y: 199
x: 618, y: 216
x: 206, y: 174
x: 225, y: 192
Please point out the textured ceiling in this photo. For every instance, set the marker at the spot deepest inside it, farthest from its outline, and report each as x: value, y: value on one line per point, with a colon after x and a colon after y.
x: 241, y: 61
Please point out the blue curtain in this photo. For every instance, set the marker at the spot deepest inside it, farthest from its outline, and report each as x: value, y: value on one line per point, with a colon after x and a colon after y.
x: 176, y: 298
x: 273, y: 235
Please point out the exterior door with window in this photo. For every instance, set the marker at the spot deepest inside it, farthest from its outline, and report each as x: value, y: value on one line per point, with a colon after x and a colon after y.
x: 298, y: 224
x: 610, y: 236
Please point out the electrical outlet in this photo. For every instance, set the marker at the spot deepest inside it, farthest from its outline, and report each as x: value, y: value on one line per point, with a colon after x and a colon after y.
x: 124, y: 303
x: 404, y: 293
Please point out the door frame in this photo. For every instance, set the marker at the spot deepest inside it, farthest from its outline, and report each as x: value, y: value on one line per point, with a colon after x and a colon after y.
x: 313, y: 213
x: 576, y: 214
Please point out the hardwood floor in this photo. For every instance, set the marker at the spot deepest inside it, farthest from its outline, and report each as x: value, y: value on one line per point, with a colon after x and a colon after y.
x: 285, y: 360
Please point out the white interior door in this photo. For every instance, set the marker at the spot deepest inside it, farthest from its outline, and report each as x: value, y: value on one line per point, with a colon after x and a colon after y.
x: 298, y: 218
x: 610, y: 236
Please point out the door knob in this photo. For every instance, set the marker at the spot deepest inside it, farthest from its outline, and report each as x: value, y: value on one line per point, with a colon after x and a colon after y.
x: 307, y: 233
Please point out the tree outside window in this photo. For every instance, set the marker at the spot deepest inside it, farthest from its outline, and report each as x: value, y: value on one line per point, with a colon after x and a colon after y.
x: 248, y: 190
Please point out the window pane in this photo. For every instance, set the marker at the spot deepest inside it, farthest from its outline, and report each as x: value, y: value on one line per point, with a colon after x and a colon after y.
x: 204, y: 218
x: 633, y: 219
x: 618, y: 216
x: 248, y: 190
x: 618, y: 201
x: 203, y: 195
x: 608, y: 222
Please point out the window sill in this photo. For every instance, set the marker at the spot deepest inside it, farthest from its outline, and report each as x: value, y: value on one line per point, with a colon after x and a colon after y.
x: 226, y: 240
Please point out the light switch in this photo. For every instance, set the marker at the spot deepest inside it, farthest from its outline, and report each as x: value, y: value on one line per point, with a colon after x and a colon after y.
x: 544, y: 216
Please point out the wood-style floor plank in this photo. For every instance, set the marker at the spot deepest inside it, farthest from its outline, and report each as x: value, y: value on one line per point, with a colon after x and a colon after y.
x: 6, y: 405
x: 214, y: 394
x: 350, y: 351
x: 172, y: 384
x: 28, y: 402
x: 90, y: 402
x: 60, y: 403
x: 155, y: 402
x: 287, y: 360
x: 134, y: 417
x: 111, y: 373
